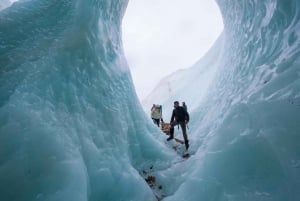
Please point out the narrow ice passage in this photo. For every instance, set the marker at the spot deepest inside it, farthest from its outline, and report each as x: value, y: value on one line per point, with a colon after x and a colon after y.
x: 72, y: 127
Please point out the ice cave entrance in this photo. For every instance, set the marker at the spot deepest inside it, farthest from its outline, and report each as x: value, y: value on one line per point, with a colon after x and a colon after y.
x: 160, y: 37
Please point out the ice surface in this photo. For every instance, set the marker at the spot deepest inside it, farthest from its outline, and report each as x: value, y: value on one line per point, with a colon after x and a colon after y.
x: 72, y: 128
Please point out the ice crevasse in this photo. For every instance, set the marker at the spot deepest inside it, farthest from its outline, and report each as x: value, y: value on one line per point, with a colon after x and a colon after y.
x: 72, y: 127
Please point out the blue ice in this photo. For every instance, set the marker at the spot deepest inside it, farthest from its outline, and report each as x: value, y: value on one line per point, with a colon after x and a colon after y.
x: 72, y: 127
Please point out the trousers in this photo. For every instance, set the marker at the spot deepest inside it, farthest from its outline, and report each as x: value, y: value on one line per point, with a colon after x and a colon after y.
x: 183, y: 128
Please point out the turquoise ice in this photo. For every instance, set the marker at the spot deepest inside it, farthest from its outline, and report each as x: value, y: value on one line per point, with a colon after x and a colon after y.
x: 72, y: 127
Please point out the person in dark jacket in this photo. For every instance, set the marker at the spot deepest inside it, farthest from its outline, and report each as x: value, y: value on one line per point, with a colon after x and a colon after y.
x: 179, y: 116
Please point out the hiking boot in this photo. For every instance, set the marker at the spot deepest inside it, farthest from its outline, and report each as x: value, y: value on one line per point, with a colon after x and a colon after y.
x: 170, y: 138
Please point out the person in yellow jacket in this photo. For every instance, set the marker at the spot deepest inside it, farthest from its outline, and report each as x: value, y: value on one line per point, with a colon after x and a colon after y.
x: 156, y: 114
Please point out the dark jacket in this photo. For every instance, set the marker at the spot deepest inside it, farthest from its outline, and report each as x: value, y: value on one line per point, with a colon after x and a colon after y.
x: 180, y: 114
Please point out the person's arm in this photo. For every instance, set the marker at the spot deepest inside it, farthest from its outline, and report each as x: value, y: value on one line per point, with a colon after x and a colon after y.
x: 173, y: 115
x: 152, y: 113
x: 187, y: 116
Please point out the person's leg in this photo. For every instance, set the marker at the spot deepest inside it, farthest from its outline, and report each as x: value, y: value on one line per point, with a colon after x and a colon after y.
x: 157, y: 122
x: 185, y: 137
x: 174, y: 123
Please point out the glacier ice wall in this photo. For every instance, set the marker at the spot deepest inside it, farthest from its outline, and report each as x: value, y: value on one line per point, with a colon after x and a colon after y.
x: 72, y: 128
x: 245, y: 119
